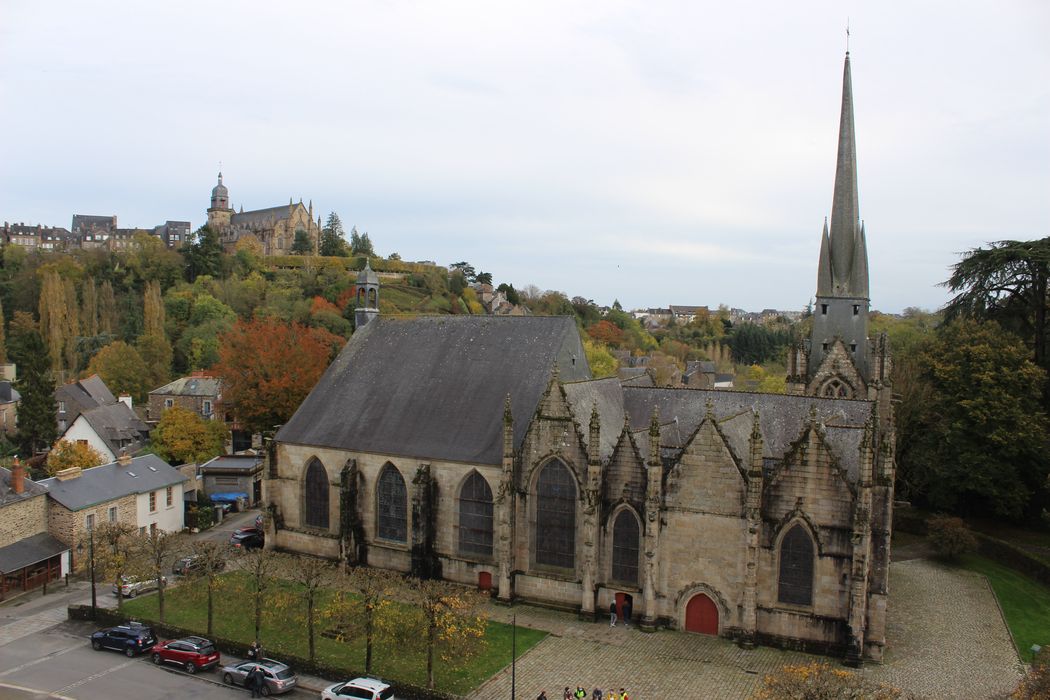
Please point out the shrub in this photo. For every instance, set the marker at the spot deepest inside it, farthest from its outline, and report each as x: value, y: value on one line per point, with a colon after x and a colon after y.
x: 820, y: 681
x: 949, y: 536
x: 1036, y: 685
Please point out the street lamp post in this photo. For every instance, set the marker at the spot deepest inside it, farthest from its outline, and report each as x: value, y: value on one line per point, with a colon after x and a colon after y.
x: 91, y: 555
x: 513, y: 654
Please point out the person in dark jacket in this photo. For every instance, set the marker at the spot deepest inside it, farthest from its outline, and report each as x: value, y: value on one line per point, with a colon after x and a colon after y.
x: 255, y: 680
x: 255, y: 651
x: 628, y: 604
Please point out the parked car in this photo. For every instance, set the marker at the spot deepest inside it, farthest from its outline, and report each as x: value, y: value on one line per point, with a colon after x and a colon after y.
x: 130, y: 586
x: 359, y: 689
x: 247, y: 538
x: 132, y: 638
x: 192, y: 653
x: 191, y: 564
x: 279, y: 677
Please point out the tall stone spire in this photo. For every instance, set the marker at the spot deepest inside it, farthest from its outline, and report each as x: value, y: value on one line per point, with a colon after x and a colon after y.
x: 846, y: 241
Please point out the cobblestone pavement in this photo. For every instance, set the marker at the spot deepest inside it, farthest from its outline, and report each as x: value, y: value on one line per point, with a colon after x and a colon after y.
x: 946, y: 635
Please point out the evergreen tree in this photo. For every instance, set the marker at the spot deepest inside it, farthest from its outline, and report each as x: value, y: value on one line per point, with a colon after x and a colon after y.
x: 360, y: 244
x: 204, y: 255
x: 303, y: 244
x: 333, y: 241
x: 3, y: 337
x: 36, y: 412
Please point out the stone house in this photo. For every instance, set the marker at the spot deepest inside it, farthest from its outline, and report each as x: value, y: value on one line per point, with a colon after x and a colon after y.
x: 479, y: 450
x: 29, y: 555
x: 144, y: 492
x: 199, y: 393
x: 9, y: 398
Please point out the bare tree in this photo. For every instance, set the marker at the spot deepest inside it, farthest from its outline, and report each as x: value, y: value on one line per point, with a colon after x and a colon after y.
x: 209, y: 561
x: 261, y: 566
x: 314, y: 575
x: 151, y: 553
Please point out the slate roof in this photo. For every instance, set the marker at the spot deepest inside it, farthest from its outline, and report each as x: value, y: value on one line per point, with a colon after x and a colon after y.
x: 8, y: 393
x: 433, y: 387
x: 7, y: 496
x: 233, y: 463
x: 115, y: 424
x: 258, y: 217
x: 28, y: 551
x: 111, y: 481
x: 606, y: 394
x: 84, y: 394
x: 782, y: 418
x: 191, y: 386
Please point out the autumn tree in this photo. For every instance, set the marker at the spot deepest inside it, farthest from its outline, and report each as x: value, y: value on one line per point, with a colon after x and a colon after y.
x: 268, y: 367
x: 259, y: 569
x: 182, y: 436
x: 122, y: 369
x: 53, y: 326
x: 204, y: 579
x: 599, y: 359
x: 156, y: 352
x: 3, y: 337
x: 821, y: 681
x: 71, y: 330
x: 442, y: 621
x: 89, y: 308
x: 153, y: 309
x: 606, y: 332
x: 313, y: 576
x: 107, y: 309
x: 149, y: 554
x: 36, y: 412
x: 358, y: 614
x: 65, y: 454
x: 113, y: 545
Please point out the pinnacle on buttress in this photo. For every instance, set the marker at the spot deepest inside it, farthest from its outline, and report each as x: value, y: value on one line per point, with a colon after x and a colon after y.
x: 508, y: 417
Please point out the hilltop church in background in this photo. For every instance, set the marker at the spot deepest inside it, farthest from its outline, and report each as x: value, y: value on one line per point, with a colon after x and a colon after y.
x: 479, y: 449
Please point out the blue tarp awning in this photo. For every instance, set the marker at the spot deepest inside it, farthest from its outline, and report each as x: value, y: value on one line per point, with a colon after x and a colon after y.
x: 227, y: 497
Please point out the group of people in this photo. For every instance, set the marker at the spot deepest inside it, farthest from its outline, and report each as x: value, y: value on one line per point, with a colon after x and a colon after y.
x: 596, y: 694
x: 626, y: 613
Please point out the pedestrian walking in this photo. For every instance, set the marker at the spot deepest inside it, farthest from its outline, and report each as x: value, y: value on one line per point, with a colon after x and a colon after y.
x: 623, y: 694
x: 627, y: 605
x: 542, y: 695
x: 568, y: 694
x: 597, y: 694
x: 612, y: 613
x: 580, y: 693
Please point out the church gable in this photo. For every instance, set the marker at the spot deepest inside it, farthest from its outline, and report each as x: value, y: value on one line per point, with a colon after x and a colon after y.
x: 837, y: 376
x: 707, y: 477
x: 625, y: 476
x: 553, y: 432
x: 810, y: 480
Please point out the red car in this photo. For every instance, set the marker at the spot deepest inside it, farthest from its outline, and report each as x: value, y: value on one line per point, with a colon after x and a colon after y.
x: 192, y: 653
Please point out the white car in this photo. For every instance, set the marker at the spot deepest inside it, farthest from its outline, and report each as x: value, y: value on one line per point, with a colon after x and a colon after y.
x: 131, y: 586
x: 359, y: 689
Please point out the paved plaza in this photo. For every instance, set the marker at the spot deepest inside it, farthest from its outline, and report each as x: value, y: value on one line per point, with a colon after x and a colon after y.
x: 947, y: 640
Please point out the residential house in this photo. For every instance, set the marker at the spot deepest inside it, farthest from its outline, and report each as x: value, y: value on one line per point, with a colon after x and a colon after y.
x: 144, y: 492
x: 199, y: 392
x: 76, y: 397
x: 29, y: 555
x: 9, y: 398
x: 112, y: 429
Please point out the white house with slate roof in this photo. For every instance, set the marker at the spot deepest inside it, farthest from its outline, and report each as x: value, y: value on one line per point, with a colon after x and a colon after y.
x: 480, y: 450
x: 145, y: 492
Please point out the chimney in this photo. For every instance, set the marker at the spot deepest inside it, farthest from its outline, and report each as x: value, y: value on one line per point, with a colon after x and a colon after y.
x: 18, y: 476
x: 124, y: 459
x: 67, y: 474
x: 125, y: 399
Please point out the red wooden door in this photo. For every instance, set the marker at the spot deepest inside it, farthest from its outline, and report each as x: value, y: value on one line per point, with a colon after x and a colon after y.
x: 701, y: 615
x: 484, y: 581
x: 620, y: 597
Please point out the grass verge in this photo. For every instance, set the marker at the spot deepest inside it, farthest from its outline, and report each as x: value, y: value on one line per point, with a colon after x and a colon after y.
x: 234, y: 620
x: 1025, y: 602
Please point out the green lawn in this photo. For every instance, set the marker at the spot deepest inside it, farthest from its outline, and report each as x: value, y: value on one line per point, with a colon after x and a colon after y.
x: 1025, y: 602
x: 234, y: 621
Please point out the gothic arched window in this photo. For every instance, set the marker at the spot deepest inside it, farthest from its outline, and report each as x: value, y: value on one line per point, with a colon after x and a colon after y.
x: 316, y: 495
x: 392, y: 499
x: 475, y: 516
x: 796, y: 567
x: 625, y: 548
x: 836, y: 389
x: 556, y: 516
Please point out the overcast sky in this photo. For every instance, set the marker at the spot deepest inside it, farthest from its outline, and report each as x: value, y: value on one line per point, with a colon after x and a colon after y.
x: 653, y: 152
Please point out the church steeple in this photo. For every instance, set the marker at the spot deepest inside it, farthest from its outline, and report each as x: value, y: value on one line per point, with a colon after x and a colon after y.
x: 843, y: 272
x: 840, y: 317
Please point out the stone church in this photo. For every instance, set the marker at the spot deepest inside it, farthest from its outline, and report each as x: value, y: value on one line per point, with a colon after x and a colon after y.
x: 480, y: 450
x: 274, y: 228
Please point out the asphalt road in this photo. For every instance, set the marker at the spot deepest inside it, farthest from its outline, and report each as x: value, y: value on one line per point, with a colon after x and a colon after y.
x: 61, y: 661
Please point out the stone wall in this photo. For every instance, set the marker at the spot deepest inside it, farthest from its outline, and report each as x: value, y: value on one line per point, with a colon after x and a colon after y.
x: 22, y: 519
x: 69, y: 527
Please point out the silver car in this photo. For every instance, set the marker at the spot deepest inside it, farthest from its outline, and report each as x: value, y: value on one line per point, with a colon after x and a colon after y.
x: 279, y: 677
x: 131, y: 586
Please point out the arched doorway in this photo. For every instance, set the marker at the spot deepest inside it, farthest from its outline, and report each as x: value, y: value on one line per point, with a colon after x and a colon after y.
x: 701, y: 615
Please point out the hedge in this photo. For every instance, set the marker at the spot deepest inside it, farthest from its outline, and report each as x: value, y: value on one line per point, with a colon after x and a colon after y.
x: 1013, y: 556
x: 108, y: 617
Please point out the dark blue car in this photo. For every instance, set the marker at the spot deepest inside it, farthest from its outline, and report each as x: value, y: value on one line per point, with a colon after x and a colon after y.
x: 132, y: 638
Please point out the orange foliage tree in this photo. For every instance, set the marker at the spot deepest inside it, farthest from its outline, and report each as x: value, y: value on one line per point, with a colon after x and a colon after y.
x: 606, y: 332
x: 268, y: 367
